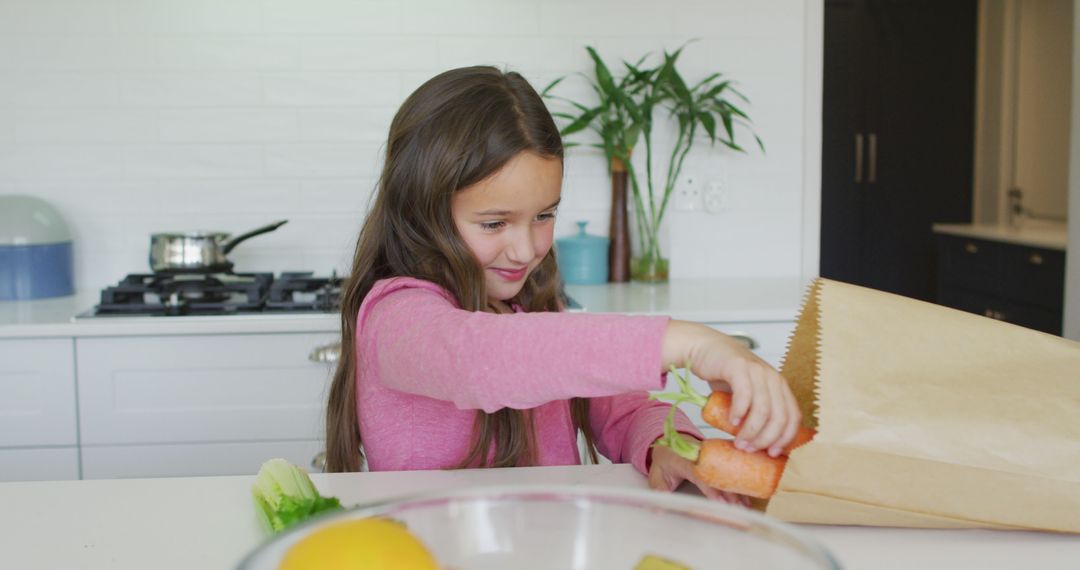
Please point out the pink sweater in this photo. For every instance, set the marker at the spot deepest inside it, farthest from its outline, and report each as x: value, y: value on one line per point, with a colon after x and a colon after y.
x: 425, y: 366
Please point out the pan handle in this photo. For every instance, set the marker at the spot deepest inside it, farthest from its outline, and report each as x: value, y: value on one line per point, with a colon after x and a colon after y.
x: 236, y: 240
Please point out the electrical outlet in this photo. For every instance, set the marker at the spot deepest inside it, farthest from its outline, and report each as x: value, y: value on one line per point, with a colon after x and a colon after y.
x: 714, y: 197
x: 688, y: 194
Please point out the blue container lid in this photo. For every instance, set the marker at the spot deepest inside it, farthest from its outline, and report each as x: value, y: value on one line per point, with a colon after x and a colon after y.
x: 26, y: 220
x: 582, y: 239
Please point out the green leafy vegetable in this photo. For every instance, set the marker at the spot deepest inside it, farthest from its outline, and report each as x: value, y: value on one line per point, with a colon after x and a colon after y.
x: 285, y: 496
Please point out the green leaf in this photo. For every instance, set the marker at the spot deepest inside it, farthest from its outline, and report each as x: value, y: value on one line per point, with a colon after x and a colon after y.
x: 706, y: 81
x: 551, y: 86
x: 603, y: 75
x: 581, y: 122
x: 728, y: 127
x: 760, y: 144
x: 709, y: 122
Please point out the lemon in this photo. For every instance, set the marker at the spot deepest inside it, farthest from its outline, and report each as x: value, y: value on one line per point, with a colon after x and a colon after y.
x: 368, y: 544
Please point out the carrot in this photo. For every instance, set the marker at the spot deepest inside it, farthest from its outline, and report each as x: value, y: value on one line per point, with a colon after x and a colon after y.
x: 718, y: 464
x: 716, y: 410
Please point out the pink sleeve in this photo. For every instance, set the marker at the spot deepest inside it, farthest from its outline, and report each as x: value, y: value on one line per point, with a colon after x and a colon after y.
x: 414, y: 337
x: 625, y: 426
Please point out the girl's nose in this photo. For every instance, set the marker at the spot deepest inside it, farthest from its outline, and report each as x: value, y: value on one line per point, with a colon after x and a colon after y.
x: 522, y: 248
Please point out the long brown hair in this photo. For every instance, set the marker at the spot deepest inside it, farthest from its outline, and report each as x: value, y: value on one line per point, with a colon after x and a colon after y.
x: 455, y: 130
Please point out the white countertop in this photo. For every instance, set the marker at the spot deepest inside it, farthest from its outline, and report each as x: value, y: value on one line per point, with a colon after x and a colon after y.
x: 727, y: 300
x: 1052, y: 235
x: 209, y: 522
x: 702, y: 300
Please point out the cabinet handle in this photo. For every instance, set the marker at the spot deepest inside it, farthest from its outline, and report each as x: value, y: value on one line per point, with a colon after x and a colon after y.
x: 326, y: 353
x: 1035, y: 259
x: 858, y: 158
x: 319, y: 461
x: 994, y: 314
x: 749, y: 341
x: 872, y: 173
x: 971, y: 248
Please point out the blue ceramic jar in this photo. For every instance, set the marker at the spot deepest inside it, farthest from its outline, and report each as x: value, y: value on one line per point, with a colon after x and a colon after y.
x: 35, y: 250
x: 583, y: 258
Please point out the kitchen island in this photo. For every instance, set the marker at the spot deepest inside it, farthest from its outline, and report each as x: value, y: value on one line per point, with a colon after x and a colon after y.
x: 210, y: 522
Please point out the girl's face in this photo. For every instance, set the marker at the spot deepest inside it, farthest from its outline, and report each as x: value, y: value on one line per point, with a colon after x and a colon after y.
x: 508, y: 220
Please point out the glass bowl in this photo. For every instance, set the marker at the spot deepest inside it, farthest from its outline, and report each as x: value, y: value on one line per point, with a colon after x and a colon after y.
x: 569, y: 528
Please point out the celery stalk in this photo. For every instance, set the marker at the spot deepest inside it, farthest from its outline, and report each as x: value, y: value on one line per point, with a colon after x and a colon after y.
x: 284, y: 495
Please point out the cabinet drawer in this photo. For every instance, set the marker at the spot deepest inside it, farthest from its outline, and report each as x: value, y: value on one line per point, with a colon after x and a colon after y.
x: 969, y: 263
x: 49, y: 464
x: 1025, y: 315
x: 37, y: 392
x: 186, y: 389
x: 192, y: 460
x: 1033, y: 275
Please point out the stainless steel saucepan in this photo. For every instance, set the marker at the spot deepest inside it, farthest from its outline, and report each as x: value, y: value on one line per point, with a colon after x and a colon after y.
x: 197, y: 252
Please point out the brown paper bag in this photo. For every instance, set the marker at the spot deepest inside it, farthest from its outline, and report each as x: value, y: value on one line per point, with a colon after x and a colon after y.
x: 929, y: 417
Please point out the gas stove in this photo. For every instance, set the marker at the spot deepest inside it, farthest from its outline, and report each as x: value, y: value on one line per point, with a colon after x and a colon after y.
x: 165, y: 294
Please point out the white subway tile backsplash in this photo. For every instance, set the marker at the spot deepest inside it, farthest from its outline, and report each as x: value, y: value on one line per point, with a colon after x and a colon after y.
x: 369, y: 124
x: 7, y: 126
x: 368, y: 53
x: 56, y: 16
x: 86, y: 126
x: 320, y: 160
x: 189, y: 16
x: 337, y: 89
x: 64, y: 52
x: 191, y: 89
x: 523, y: 54
x: 70, y: 162
x: 485, y: 18
x: 229, y: 125
x: 598, y: 19
x: 136, y: 116
x: 194, y: 161
x: 229, y: 197
x: 332, y: 17
x: 63, y: 89
x: 350, y: 196
x: 221, y: 53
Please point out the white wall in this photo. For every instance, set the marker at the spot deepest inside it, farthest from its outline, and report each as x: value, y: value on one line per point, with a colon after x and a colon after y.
x: 137, y: 116
x: 1044, y: 85
x: 1072, y: 260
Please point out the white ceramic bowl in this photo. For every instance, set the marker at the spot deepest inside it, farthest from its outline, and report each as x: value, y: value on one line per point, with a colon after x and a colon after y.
x: 570, y: 528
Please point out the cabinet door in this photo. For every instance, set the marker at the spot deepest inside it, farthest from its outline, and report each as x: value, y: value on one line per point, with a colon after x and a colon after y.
x: 47, y: 464
x: 193, y: 460
x: 915, y: 86
x: 37, y: 392
x: 184, y: 389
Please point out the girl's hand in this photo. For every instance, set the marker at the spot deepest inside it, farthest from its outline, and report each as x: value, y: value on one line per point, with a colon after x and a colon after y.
x: 668, y: 471
x: 762, y: 403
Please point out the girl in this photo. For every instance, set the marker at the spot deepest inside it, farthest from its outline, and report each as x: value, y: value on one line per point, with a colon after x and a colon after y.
x: 454, y: 350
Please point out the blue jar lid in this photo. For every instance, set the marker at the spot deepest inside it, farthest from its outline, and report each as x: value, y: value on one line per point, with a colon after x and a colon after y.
x: 582, y: 238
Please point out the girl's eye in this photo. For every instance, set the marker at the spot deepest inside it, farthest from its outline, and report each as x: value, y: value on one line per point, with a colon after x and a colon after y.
x: 492, y: 226
x: 545, y: 216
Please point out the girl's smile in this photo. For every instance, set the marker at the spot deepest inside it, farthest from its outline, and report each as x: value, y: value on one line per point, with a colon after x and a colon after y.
x: 508, y: 220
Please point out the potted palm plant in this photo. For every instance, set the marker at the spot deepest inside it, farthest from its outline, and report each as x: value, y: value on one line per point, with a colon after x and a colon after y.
x: 622, y: 116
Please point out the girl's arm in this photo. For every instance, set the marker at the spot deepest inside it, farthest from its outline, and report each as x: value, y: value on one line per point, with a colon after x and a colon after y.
x: 625, y: 427
x: 762, y: 407
x: 411, y: 337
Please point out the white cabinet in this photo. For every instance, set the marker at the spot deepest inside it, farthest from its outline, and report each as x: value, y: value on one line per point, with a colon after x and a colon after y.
x: 199, y: 405
x: 192, y: 459
x: 39, y: 464
x: 37, y: 392
x: 38, y: 438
